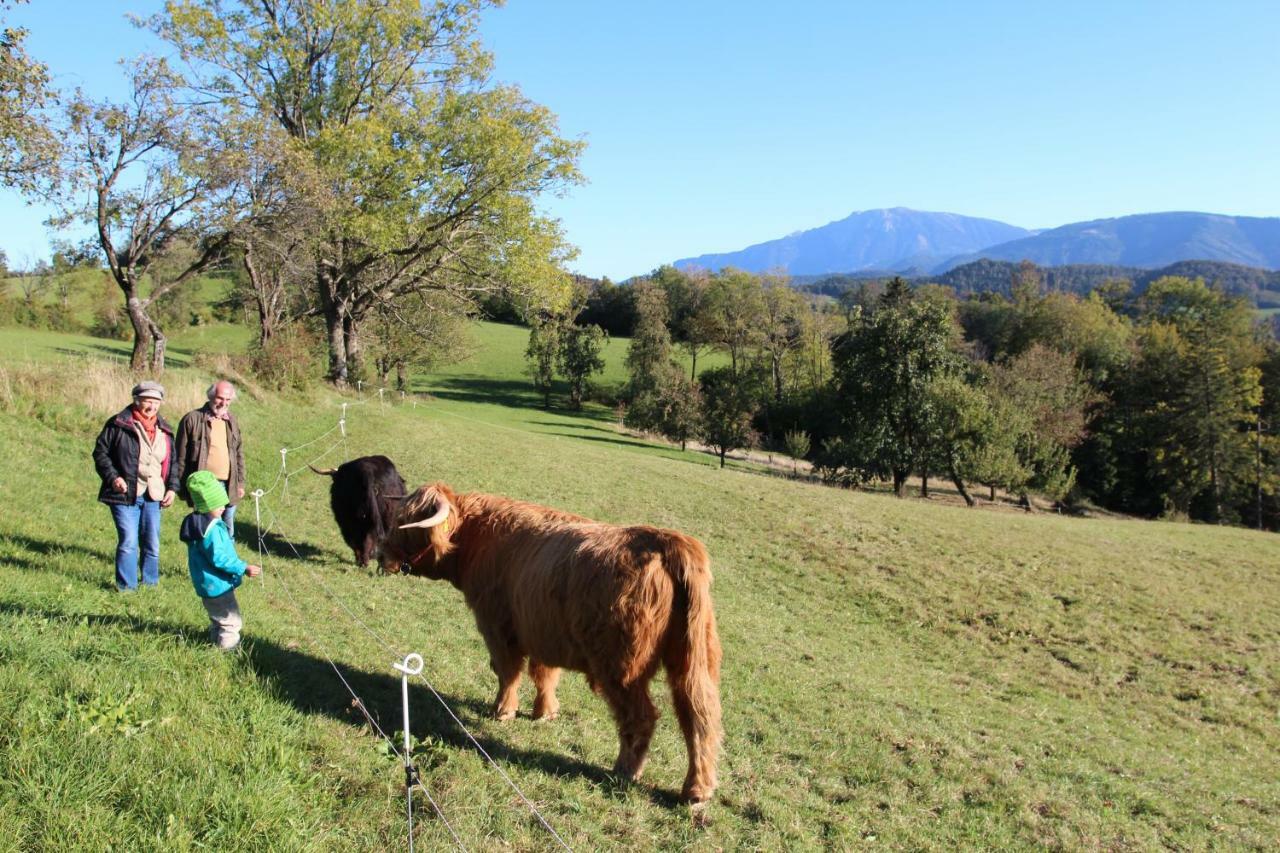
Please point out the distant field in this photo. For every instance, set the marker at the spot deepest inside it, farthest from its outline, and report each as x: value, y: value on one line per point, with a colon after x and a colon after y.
x: 897, y: 673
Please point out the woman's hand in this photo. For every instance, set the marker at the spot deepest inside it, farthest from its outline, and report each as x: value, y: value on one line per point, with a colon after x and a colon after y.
x: 167, y: 500
x: 253, y: 571
x: 119, y: 485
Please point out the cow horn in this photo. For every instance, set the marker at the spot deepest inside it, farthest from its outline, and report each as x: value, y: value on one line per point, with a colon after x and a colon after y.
x: 328, y: 472
x: 440, y: 515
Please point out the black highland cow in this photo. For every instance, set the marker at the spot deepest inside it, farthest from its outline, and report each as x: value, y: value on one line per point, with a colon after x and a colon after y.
x: 365, y: 495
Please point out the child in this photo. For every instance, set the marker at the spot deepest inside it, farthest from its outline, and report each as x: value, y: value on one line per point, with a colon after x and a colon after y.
x: 215, y: 569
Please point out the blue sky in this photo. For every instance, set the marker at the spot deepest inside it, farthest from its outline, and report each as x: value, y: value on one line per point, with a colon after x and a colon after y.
x: 713, y: 125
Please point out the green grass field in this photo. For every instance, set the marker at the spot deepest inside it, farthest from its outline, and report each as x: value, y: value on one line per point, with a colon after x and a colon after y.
x: 897, y: 673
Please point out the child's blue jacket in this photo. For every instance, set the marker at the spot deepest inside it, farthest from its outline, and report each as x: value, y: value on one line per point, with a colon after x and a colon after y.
x: 211, y: 555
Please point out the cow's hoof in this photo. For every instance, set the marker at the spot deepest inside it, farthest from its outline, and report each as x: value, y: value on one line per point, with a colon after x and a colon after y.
x: 627, y: 771
x: 696, y: 795
x: 546, y: 715
x: 503, y: 716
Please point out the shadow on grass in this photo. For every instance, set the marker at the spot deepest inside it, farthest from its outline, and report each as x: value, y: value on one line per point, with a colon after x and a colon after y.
x: 47, y: 547
x: 576, y: 420
x: 310, y: 684
x: 502, y: 392
x: 624, y: 442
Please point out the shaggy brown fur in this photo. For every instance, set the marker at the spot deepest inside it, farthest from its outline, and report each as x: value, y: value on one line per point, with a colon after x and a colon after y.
x: 564, y: 591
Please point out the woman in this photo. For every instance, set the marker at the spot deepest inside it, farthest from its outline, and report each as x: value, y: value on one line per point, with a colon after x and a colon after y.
x: 134, y: 458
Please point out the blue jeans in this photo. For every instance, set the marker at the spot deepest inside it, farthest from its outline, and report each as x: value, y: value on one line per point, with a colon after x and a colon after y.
x: 138, y: 522
x: 229, y: 514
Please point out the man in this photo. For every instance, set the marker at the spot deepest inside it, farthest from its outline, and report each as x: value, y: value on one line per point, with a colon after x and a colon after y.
x: 209, y: 440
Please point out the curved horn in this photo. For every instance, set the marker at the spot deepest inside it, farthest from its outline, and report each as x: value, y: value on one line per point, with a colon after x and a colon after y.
x: 328, y: 472
x: 440, y: 515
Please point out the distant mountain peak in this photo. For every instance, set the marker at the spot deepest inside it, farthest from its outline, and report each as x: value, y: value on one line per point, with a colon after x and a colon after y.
x: 901, y: 238
x: 882, y: 238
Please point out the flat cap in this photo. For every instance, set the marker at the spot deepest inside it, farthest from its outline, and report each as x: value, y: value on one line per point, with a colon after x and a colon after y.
x: 148, y: 389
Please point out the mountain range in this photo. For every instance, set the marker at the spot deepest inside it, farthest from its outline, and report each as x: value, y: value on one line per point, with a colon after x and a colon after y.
x: 920, y: 242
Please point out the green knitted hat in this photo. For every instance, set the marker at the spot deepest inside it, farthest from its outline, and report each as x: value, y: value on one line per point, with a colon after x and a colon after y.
x: 206, y: 492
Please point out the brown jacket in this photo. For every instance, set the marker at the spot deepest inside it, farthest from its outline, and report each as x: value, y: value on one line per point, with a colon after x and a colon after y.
x: 193, y: 450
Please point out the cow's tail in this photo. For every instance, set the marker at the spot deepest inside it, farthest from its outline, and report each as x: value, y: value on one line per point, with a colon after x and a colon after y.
x: 693, y: 664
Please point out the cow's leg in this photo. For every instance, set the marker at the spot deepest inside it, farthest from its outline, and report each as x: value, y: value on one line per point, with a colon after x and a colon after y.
x: 545, y: 678
x: 636, y: 717
x: 507, y: 667
x: 697, y: 705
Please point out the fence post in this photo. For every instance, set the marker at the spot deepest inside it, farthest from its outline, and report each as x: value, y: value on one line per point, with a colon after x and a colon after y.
x: 411, y: 665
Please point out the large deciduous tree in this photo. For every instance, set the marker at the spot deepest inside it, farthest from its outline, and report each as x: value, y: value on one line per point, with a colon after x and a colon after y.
x: 145, y: 165
x: 28, y: 147
x: 430, y: 176
x: 884, y: 366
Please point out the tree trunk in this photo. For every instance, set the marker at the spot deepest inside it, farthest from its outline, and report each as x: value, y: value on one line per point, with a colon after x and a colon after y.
x: 693, y: 371
x: 334, y: 313
x: 1258, y: 470
x: 352, y: 339
x: 337, y: 346
x: 158, y: 343
x: 141, y: 333
x: 900, y: 482
x: 964, y: 493
x: 723, y: 451
x: 266, y: 314
x: 924, y: 485
x: 1025, y: 502
x: 402, y: 377
x: 993, y: 493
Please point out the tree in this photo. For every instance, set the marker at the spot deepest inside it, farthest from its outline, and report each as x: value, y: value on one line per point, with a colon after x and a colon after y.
x: 797, y: 444
x: 1200, y: 383
x: 680, y: 407
x: 883, y: 366
x: 781, y: 310
x: 734, y: 308
x: 728, y: 403
x: 811, y: 357
x: 34, y: 280
x: 544, y: 346
x: 270, y: 213
x: 579, y: 357
x: 1048, y: 391
x: 649, y: 353
x: 418, y: 333
x: 28, y: 147
x: 1266, y: 503
x: 148, y: 196
x: 429, y: 177
x: 691, y: 327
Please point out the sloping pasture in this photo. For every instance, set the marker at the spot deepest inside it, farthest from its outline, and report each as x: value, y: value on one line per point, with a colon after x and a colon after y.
x: 896, y: 673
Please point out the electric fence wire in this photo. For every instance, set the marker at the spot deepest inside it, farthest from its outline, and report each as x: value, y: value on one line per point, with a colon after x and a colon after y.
x: 274, y: 523
x: 356, y: 701
x: 387, y: 646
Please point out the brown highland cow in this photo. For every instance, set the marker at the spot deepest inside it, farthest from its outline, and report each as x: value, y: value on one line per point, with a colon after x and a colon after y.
x: 566, y: 592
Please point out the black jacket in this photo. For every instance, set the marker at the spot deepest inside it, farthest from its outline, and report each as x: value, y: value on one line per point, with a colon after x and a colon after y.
x: 116, y: 455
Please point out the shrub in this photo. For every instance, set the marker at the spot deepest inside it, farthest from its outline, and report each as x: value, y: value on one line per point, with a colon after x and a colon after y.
x: 291, y: 359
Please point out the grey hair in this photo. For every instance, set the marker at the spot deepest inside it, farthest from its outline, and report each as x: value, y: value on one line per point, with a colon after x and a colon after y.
x: 213, y: 390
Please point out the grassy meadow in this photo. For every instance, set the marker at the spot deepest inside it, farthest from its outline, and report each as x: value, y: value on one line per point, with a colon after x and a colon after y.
x: 897, y: 674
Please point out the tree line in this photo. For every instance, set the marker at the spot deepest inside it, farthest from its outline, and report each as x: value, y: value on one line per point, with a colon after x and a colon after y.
x: 349, y: 162
x: 1164, y: 402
